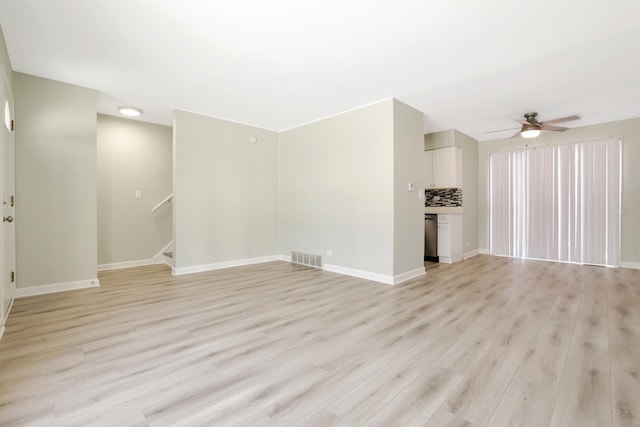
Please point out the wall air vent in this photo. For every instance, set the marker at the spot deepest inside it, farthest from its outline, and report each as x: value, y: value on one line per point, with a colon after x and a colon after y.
x: 310, y: 260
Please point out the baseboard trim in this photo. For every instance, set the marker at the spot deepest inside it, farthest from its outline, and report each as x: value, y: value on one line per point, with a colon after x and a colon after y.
x: 5, y: 317
x: 361, y: 274
x: 225, y: 264
x: 633, y: 265
x: 126, y: 264
x: 470, y: 254
x: 56, y: 287
x: 376, y: 277
x: 483, y: 251
x: 403, y: 277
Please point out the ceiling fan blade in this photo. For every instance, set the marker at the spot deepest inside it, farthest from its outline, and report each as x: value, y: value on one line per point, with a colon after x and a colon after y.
x: 563, y: 119
x: 554, y: 128
x: 501, y: 130
x: 515, y: 135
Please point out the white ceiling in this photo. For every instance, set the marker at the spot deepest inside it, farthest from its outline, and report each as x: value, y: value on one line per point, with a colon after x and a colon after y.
x: 467, y: 64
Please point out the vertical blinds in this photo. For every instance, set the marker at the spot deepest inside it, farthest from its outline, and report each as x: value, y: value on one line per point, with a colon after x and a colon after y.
x: 559, y: 203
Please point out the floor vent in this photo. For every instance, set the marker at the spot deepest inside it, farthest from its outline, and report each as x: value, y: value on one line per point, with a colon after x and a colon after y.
x: 306, y: 259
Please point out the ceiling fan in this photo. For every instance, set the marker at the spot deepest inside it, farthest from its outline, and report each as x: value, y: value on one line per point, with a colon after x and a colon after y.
x: 531, y: 127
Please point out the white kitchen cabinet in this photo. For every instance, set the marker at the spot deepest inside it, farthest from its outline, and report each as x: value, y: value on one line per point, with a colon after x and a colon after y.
x: 449, y: 238
x: 443, y: 168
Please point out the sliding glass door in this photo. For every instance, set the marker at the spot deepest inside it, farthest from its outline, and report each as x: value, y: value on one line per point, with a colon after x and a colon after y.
x: 558, y: 203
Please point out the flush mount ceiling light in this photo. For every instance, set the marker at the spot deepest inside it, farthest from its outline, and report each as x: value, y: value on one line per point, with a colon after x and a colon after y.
x: 130, y: 111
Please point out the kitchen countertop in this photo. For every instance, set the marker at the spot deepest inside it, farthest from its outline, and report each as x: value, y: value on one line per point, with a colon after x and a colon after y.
x: 443, y: 210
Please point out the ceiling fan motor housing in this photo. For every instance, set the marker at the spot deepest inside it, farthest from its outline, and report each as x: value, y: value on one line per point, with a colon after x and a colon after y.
x: 531, y: 120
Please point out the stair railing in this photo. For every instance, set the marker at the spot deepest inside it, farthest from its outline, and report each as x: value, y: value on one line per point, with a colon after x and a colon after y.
x: 165, y: 200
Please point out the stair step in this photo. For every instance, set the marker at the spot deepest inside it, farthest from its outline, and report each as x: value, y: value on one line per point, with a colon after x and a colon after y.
x: 168, y: 254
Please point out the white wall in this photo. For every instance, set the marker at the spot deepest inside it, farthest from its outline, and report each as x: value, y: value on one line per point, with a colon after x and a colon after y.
x: 225, y: 191
x: 628, y: 129
x: 470, y: 147
x: 56, y: 228
x: 133, y: 155
x: 408, y: 218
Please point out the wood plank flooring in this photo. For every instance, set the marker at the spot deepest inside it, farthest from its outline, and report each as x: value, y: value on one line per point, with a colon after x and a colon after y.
x: 486, y: 342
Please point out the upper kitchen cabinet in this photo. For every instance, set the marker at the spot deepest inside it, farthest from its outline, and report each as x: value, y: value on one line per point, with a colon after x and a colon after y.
x: 443, y: 168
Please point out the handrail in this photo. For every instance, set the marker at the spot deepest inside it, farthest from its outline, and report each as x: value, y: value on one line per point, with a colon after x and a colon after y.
x: 165, y: 200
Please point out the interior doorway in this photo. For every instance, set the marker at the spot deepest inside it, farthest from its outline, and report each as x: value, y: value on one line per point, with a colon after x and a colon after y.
x: 7, y: 189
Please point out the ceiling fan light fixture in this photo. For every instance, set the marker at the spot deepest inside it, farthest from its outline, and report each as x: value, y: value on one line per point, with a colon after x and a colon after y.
x: 129, y: 111
x: 531, y: 127
x: 530, y: 131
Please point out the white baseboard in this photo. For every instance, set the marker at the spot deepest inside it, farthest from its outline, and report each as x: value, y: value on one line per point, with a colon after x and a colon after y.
x: 126, y: 264
x: 56, y: 287
x: 376, y: 277
x: 470, y: 254
x: 362, y: 274
x: 634, y: 265
x: 483, y: 251
x: 6, y: 316
x: 225, y: 264
x: 399, y: 278
x: 157, y: 259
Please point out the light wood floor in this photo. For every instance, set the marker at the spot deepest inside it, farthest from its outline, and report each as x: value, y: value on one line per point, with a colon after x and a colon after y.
x: 489, y: 341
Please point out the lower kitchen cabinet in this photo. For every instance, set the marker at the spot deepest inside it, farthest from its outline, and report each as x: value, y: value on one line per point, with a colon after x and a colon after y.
x: 449, y: 238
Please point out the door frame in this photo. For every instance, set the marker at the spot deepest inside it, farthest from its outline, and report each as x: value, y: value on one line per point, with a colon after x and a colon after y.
x: 5, y: 283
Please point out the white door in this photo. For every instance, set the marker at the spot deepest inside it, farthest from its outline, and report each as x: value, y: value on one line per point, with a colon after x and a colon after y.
x: 7, y: 186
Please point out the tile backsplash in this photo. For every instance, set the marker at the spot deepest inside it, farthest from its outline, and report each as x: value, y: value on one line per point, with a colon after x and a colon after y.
x: 448, y: 197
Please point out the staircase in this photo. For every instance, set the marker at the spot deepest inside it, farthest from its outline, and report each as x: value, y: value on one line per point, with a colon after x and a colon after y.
x: 168, y: 258
x: 165, y: 256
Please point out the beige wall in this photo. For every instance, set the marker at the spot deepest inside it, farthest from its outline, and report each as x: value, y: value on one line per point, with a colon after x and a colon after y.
x: 408, y: 218
x: 470, y: 191
x: 226, y: 191
x: 628, y: 129
x: 336, y: 189
x: 470, y: 147
x: 435, y: 140
x: 133, y: 155
x: 55, y: 182
x: 338, y: 182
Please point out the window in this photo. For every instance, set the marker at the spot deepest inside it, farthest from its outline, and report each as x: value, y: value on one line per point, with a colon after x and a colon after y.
x: 558, y: 203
